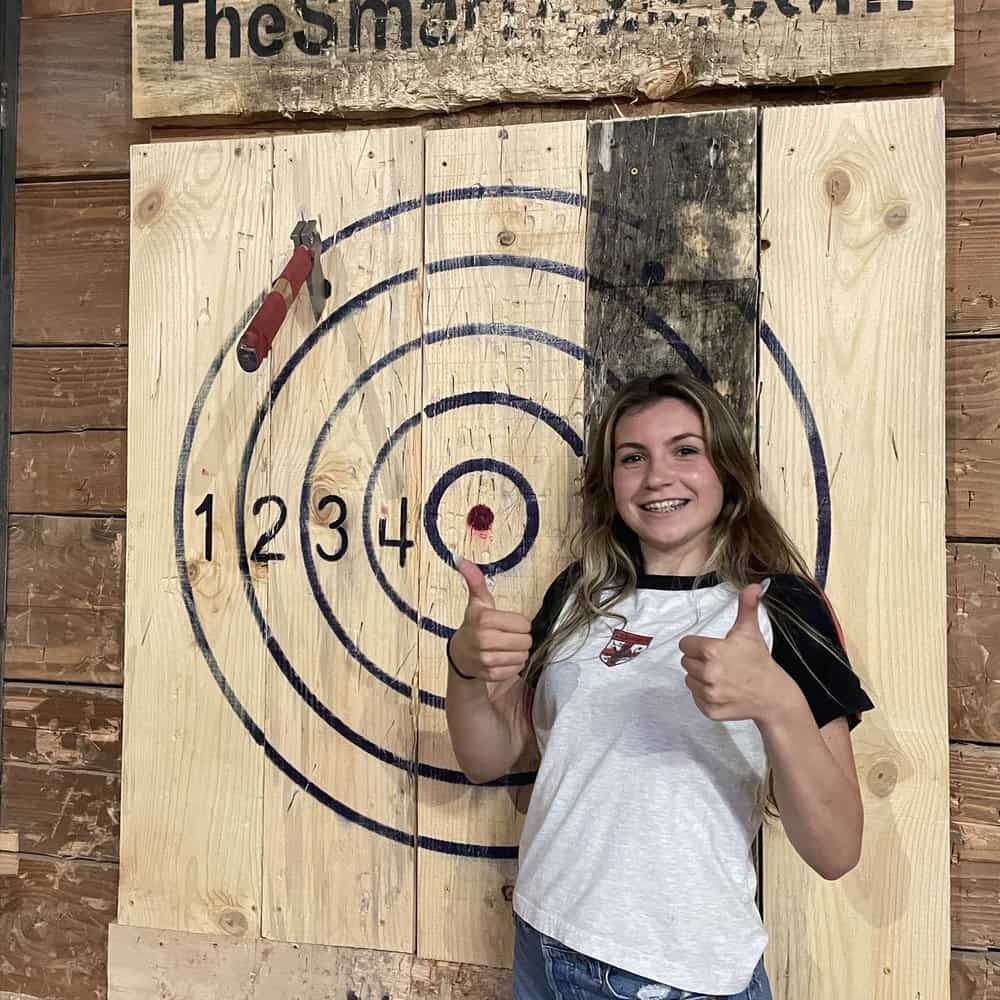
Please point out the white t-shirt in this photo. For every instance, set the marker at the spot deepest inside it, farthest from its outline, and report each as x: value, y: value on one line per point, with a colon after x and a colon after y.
x: 636, y: 849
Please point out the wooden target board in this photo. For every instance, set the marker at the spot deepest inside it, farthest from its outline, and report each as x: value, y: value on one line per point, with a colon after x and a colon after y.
x: 288, y: 773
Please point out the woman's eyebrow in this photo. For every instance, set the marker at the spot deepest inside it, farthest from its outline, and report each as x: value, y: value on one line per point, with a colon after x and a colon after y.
x: 673, y: 440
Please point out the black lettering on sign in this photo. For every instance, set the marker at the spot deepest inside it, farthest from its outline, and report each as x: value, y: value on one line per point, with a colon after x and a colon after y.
x: 443, y: 22
x: 212, y: 19
x: 380, y: 11
x: 205, y: 507
x: 276, y: 27
x: 319, y: 19
x: 402, y: 543
x: 258, y: 554
x: 178, y: 26
x: 334, y: 525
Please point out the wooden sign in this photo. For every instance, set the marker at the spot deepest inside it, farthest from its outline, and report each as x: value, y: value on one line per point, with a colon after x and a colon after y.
x: 209, y: 57
x: 287, y: 769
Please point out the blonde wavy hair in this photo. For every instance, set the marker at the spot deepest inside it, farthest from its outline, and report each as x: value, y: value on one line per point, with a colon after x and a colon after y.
x: 746, y: 544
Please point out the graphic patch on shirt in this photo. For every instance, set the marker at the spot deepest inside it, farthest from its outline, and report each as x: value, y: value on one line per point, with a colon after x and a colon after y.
x: 624, y: 646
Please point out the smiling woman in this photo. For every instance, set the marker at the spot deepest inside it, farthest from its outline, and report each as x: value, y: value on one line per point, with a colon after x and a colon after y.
x: 685, y: 657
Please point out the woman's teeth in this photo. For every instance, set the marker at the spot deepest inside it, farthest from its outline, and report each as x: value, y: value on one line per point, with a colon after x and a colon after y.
x: 664, y: 505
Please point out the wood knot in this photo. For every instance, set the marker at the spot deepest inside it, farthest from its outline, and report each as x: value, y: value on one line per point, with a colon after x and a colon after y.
x: 508, y: 892
x: 652, y: 273
x: 838, y: 186
x: 896, y: 216
x: 149, y: 208
x: 233, y: 922
x: 882, y: 777
x: 506, y: 238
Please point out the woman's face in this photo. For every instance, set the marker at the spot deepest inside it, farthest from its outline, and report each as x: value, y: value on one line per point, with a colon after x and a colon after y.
x: 665, y: 487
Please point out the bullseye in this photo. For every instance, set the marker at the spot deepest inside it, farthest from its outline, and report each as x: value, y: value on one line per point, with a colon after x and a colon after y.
x: 480, y: 520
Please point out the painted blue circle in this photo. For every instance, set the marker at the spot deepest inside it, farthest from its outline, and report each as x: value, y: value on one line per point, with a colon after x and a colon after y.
x: 553, y: 420
x: 473, y: 465
x: 357, y: 303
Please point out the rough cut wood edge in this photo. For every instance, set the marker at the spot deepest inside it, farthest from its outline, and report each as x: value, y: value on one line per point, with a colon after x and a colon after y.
x: 146, y: 962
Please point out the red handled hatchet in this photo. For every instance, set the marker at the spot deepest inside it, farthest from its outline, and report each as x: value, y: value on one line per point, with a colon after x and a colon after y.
x: 305, y: 267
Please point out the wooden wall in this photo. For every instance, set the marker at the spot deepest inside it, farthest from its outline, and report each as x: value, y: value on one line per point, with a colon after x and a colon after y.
x: 62, y: 696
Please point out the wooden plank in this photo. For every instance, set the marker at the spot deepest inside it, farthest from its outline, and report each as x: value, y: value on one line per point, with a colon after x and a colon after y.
x: 74, y: 115
x: 61, y: 811
x: 974, y: 976
x: 54, y: 926
x: 68, y: 388
x: 499, y: 266
x: 973, y: 264
x: 148, y: 962
x: 974, y: 642
x: 65, y: 611
x: 443, y: 58
x: 972, y: 86
x: 975, y: 846
x: 65, y: 8
x: 191, y: 817
x: 366, y: 897
x: 71, y: 261
x: 71, y: 473
x: 850, y: 253
x: 70, y: 726
x: 672, y: 282
x: 973, y: 432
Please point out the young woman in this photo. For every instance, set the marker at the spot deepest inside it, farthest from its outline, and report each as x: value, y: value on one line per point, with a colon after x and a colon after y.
x: 683, y: 673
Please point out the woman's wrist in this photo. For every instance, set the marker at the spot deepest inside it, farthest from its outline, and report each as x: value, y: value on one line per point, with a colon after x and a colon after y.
x: 453, y: 665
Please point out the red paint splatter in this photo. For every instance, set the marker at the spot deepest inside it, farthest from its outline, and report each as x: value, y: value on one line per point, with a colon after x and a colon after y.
x: 480, y: 520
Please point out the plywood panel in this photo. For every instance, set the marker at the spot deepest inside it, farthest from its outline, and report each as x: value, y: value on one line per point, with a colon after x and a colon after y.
x: 74, y: 97
x: 71, y: 262
x: 343, y: 658
x: 68, y: 388
x: 192, y: 771
x: 146, y: 963
x: 853, y: 220
x: 65, y: 590
x: 503, y: 322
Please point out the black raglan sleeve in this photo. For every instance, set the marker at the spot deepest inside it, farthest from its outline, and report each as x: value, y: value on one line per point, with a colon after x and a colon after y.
x: 552, y: 604
x: 831, y: 687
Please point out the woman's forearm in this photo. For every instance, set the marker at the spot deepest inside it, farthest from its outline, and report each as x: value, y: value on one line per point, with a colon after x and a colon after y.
x: 480, y: 736
x: 820, y: 806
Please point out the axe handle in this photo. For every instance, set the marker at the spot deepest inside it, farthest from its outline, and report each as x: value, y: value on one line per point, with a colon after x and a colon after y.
x: 256, y: 341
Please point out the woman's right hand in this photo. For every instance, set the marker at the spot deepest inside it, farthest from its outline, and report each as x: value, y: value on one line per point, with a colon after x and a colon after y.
x: 489, y: 644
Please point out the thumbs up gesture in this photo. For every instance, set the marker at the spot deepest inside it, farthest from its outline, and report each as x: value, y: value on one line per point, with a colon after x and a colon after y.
x: 735, y: 678
x: 489, y: 644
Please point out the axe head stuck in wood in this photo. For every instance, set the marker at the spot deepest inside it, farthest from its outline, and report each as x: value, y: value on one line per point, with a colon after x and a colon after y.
x: 304, y: 267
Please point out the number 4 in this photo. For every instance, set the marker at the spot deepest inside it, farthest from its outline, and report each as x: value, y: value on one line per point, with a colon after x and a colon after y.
x: 402, y: 543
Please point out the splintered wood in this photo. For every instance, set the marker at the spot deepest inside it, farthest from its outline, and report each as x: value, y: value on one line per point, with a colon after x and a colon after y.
x: 288, y: 779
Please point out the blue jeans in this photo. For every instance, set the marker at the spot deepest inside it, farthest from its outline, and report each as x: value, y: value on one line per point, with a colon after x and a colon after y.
x: 544, y: 969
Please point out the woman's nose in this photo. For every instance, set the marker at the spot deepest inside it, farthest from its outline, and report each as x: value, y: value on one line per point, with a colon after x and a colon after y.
x: 660, y: 471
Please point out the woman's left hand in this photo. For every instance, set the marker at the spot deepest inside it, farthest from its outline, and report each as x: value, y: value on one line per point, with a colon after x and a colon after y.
x: 735, y: 678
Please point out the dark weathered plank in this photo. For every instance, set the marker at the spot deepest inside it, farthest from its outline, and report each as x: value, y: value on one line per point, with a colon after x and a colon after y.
x: 975, y: 846
x: 60, y: 810
x: 82, y: 473
x: 61, y: 8
x: 69, y: 388
x: 54, y: 926
x: 974, y: 642
x: 686, y: 262
x: 974, y: 977
x: 71, y: 261
x: 972, y: 405
x: 972, y: 86
x: 65, y: 599
x: 972, y: 247
x: 72, y: 727
x: 74, y: 101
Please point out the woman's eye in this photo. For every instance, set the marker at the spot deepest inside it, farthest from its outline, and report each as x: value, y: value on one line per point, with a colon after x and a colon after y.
x: 687, y: 450
x: 627, y: 460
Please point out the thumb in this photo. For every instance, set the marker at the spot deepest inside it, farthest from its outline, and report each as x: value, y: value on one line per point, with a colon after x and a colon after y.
x: 476, y: 582
x: 746, y: 614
